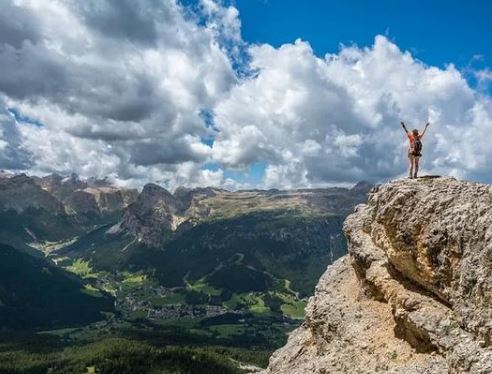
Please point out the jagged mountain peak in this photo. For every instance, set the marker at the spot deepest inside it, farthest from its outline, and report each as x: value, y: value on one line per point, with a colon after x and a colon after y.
x: 156, y: 211
x: 20, y: 192
x: 155, y: 189
x: 20, y: 179
x: 152, y: 215
x: 153, y: 195
x: 53, y: 176
x: 56, y: 207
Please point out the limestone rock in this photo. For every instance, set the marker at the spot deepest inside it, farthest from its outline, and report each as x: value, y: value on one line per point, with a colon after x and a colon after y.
x: 414, y: 293
x: 152, y: 216
x: 93, y: 197
x: 156, y: 212
x: 19, y: 193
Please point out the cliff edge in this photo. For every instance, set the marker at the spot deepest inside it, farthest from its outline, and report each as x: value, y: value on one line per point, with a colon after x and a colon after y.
x: 414, y: 295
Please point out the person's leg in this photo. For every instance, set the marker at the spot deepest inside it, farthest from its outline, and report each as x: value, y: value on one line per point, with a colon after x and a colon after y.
x: 416, y: 167
x: 410, y: 166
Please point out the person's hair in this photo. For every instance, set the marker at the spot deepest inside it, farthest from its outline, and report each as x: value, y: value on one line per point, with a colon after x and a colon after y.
x: 415, y: 132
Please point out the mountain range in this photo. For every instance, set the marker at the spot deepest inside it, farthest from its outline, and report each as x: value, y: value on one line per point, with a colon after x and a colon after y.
x: 233, y: 268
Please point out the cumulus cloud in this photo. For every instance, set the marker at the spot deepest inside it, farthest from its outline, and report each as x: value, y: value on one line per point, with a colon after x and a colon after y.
x: 137, y: 90
x: 224, y: 20
x: 114, y: 82
x: 13, y: 154
x: 336, y: 119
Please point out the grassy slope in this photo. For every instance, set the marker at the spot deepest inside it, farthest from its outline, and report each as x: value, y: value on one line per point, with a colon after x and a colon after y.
x: 239, y: 257
x: 262, y: 262
x: 272, y: 244
x: 36, y: 294
x: 44, y: 225
x: 280, y: 236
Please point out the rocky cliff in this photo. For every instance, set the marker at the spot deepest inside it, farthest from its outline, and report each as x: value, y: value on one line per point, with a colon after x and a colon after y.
x: 19, y: 193
x: 413, y: 295
x: 53, y: 208
x: 87, y: 199
x: 157, y: 213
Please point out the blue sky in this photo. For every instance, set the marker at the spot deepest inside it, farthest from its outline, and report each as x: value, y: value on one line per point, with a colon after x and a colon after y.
x: 437, y: 32
x: 239, y: 94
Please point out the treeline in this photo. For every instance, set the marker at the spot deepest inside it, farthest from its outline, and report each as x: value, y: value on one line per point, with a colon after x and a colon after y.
x: 112, y: 356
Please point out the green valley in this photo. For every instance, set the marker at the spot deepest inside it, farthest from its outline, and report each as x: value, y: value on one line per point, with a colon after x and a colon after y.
x: 206, y: 273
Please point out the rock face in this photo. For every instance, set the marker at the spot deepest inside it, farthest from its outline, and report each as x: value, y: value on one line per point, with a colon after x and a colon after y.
x: 53, y: 208
x: 29, y: 213
x: 157, y: 213
x: 86, y: 199
x: 100, y: 201
x: 152, y: 216
x: 60, y: 187
x: 413, y: 295
x: 19, y: 193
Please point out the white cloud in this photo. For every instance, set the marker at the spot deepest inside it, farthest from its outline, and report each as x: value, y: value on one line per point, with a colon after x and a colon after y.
x: 336, y: 119
x: 224, y: 20
x: 118, y: 86
x: 13, y: 154
x: 483, y: 77
x: 121, y: 88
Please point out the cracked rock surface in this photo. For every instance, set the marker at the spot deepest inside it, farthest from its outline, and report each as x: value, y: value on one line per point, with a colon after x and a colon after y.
x: 413, y: 295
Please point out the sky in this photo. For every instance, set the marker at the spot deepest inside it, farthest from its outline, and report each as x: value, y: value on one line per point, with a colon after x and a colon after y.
x: 245, y: 93
x: 437, y: 32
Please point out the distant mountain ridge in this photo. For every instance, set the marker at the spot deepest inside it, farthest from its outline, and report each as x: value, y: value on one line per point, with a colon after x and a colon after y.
x: 204, y: 253
x: 156, y: 211
x: 55, y: 208
x: 72, y: 203
x: 186, y: 236
x: 87, y: 199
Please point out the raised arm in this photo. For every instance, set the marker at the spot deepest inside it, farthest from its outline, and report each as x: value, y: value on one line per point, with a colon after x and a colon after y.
x: 425, y: 129
x: 404, y: 127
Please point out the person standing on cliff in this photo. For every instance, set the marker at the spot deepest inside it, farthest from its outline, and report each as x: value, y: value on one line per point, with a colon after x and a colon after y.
x: 414, y: 149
